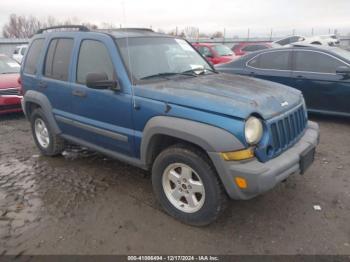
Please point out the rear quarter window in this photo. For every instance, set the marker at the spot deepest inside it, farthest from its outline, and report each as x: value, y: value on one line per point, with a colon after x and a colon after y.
x: 278, y: 60
x: 33, y: 56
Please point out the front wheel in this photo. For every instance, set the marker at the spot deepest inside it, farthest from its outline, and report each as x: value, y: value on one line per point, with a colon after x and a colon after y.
x: 187, y: 185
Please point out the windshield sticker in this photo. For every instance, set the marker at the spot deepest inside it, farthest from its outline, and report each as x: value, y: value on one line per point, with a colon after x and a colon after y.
x: 13, y: 64
x: 184, y: 45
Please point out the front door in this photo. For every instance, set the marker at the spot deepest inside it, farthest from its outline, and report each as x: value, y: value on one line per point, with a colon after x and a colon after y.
x: 314, y: 73
x: 101, y: 116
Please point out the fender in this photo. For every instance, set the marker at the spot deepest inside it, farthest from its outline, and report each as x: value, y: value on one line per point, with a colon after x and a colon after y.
x: 40, y: 99
x: 209, y: 138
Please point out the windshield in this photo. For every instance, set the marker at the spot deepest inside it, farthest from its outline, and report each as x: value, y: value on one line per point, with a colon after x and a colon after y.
x: 342, y: 52
x: 222, y: 50
x: 8, y: 66
x: 159, y: 56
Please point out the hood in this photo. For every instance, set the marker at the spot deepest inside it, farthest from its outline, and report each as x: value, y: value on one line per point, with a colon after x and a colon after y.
x: 233, y: 95
x: 9, y: 80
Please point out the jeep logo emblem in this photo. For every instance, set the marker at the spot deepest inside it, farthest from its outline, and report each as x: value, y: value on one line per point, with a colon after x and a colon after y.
x: 285, y: 103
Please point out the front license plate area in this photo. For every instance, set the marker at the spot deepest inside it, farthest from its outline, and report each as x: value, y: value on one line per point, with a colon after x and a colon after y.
x: 306, y: 159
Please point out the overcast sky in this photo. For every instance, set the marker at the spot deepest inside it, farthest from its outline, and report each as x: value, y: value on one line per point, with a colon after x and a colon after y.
x: 236, y: 16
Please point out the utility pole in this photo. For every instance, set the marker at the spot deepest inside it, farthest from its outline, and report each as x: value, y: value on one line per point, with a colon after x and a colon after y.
x: 248, y: 34
x: 293, y: 32
x: 176, y: 31
x: 271, y: 32
x: 224, y: 34
x: 312, y: 31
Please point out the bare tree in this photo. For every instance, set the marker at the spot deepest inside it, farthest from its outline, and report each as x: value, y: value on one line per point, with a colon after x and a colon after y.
x: 191, y: 32
x: 26, y: 26
x: 21, y: 26
x: 218, y: 34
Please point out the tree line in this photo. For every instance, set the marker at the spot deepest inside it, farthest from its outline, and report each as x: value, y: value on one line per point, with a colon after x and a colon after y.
x: 19, y: 26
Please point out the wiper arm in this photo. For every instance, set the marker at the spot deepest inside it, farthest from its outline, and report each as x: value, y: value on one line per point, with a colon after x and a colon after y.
x: 164, y: 75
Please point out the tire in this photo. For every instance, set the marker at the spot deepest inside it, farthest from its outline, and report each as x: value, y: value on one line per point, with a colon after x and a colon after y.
x: 210, y: 203
x: 54, y: 145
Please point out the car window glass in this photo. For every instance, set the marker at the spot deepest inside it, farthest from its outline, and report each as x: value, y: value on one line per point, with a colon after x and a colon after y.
x: 33, y: 56
x: 58, y: 59
x: 94, y: 58
x: 316, y: 62
x: 205, y: 51
x: 272, y: 60
x: 8, y: 65
x: 23, y: 50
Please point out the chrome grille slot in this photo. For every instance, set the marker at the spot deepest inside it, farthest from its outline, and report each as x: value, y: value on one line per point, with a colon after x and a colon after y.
x: 286, y: 130
x: 9, y: 92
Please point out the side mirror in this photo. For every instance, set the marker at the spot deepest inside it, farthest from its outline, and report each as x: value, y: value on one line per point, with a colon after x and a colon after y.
x: 343, y: 70
x: 100, y: 81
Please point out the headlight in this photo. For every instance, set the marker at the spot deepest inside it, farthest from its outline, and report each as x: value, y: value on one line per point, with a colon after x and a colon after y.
x: 253, y: 130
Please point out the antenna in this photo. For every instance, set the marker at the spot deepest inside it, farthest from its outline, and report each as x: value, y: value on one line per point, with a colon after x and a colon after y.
x: 129, y: 59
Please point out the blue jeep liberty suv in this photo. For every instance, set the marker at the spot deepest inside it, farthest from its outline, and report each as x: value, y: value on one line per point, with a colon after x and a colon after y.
x: 153, y: 101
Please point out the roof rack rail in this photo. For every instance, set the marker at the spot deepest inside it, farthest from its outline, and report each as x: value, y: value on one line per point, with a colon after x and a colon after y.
x: 79, y: 27
x: 125, y: 29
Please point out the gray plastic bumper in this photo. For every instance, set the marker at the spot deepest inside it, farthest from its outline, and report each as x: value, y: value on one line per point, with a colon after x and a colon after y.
x: 262, y: 177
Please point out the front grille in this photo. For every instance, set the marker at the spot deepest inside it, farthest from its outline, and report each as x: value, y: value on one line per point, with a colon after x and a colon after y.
x: 286, y: 130
x: 9, y: 92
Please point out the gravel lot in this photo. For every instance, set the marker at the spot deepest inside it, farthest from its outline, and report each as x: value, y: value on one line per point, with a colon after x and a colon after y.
x: 84, y: 203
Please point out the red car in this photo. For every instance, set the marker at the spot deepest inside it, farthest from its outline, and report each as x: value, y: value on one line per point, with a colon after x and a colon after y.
x: 10, y: 87
x: 244, y: 48
x: 215, y: 53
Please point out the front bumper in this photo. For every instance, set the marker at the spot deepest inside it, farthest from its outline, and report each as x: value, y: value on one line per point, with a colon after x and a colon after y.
x: 262, y: 177
x: 10, y: 104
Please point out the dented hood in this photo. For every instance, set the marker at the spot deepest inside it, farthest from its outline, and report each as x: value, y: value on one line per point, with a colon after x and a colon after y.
x: 227, y: 94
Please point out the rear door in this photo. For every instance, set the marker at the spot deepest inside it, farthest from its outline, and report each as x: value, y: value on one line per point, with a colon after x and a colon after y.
x: 314, y: 73
x: 102, y: 117
x: 273, y: 66
x: 29, y: 72
x: 56, y: 76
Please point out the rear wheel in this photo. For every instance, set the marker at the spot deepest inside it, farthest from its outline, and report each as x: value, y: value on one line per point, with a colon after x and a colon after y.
x: 187, y: 185
x: 48, y: 143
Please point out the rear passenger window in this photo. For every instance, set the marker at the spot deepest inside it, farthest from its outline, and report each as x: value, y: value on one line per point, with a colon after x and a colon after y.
x: 58, y: 59
x: 94, y: 58
x: 272, y: 60
x: 33, y: 56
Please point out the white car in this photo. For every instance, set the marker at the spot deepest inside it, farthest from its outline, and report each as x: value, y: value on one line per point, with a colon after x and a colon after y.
x: 19, y: 52
x: 328, y: 40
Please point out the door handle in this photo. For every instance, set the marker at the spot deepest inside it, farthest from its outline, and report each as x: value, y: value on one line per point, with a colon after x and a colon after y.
x: 79, y: 93
x: 252, y: 73
x: 300, y: 77
x: 42, y: 84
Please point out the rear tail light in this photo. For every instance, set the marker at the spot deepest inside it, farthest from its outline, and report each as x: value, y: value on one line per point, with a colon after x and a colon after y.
x: 21, y: 91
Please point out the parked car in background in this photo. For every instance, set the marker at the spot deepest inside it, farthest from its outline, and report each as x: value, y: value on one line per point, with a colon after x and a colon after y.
x: 153, y: 101
x: 322, y: 74
x: 215, y: 53
x: 326, y: 40
x: 10, y: 88
x: 290, y: 40
x: 19, y: 53
x: 244, y: 48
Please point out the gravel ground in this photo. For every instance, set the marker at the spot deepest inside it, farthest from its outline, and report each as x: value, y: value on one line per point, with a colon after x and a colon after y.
x: 85, y: 203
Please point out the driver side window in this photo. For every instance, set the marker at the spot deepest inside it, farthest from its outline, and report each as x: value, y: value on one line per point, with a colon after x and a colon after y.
x: 94, y: 58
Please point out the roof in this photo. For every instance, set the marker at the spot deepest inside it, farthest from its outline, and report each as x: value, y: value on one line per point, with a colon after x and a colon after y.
x: 116, y: 33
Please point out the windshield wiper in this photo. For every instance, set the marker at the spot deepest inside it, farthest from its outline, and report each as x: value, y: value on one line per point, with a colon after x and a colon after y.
x: 164, y: 75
